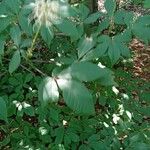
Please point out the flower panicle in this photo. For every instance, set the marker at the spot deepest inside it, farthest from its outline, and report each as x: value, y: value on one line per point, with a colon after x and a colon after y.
x: 48, y: 12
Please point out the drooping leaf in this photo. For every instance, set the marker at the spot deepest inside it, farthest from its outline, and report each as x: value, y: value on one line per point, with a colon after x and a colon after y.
x: 85, y: 71
x: 113, y: 52
x: 48, y: 91
x: 85, y: 44
x: 3, y: 110
x: 12, y: 6
x: 83, y: 11
x: 92, y: 18
x: 4, y: 23
x: 47, y: 35
x: 69, y: 28
x: 76, y: 96
x: 15, y: 61
x: 25, y: 25
x: 95, y: 53
x: 15, y: 34
x: 1, y: 47
x: 142, y: 27
x: 59, y: 132
x: 125, y: 52
x: 100, y: 50
x: 110, y: 6
x: 104, y: 24
x: 124, y: 17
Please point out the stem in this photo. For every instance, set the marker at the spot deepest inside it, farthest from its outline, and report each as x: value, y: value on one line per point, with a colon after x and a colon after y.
x: 30, y: 50
x: 111, y: 27
x: 35, y: 68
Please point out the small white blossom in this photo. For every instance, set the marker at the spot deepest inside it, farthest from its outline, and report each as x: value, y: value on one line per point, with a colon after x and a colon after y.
x: 48, y: 12
x: 116, y: 118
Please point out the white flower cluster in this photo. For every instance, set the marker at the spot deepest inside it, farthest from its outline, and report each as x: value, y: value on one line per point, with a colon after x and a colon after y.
x: 48, y: 12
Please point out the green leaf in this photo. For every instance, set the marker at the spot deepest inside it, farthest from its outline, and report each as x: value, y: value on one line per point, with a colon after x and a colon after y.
x: 84, y: 147
x: 124, y: 17
x: 108, y: 78
x: 15, y: 61
x: 48, y: 91
x: 92, y: 18
x: 103, y: 25
x: 99, y: 51
x: 47, y: 35
x: 25, y: 25
x: 85, y: 44
x: 125, y: 52
x: 4, y: 23
x: 142, y: 27
x: 3, y: 110
x: 15, y: 34
x: 113, y: 52
x: 69, y: 28
x: 13, y: 6
x: 59, y: 132
x: 84, y: 11
x: 76, y: 96
x: 147, y: 4
x: 86, y: 71
x: 2, y: 47
x: 97, y: 145
x: 110, y: 6
x: 74, y: 137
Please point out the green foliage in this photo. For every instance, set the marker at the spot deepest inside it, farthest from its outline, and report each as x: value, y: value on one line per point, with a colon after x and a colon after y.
x: 147, y: 4
x: 15, y: 61
x: 3, y: 111
x: 56, y: 92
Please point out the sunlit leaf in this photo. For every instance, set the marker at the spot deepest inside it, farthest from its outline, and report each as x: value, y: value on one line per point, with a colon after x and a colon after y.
x: 48, y: 91
x: 76, y: 96
x: 85, y: 44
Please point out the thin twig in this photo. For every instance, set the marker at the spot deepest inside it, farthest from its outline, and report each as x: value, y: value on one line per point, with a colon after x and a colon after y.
x: 25, y: 68
x: 42, y: 61
x: 34, y: 67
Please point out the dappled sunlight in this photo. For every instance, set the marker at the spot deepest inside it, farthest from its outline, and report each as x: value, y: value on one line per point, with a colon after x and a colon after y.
x: 21, y: 105
x: 101, y: 65
x: 116, y: 118
x: 129, y: 114
x: 72, y: 75
x: 105, y: 124
x: 3, y: 16
x: 64, y: 83
x: 43, y: 130
x: 115, y: 90
x: 125, y: 96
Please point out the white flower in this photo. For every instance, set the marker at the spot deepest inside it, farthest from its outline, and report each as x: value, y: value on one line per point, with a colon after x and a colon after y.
x: 48, y: 12
x: 116, y: 118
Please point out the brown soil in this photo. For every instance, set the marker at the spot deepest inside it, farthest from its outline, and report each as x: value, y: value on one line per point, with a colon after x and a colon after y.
x: 141, y: 59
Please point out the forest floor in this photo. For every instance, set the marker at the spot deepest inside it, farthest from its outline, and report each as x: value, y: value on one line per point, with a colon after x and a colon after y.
x: 141, y: 63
